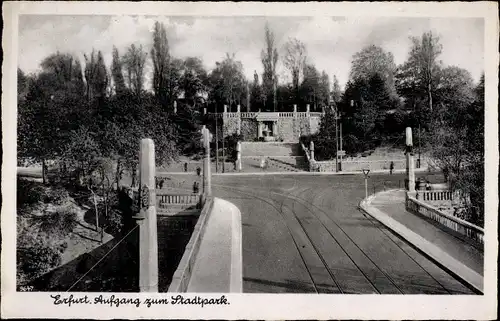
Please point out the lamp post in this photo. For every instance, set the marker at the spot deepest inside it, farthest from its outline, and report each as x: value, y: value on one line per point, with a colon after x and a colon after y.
x: 366, y: 171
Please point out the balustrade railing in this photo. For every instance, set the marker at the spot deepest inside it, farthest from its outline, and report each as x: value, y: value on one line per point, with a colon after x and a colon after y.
x: 434, y: 195
x: 177, y: 199
x: 454, y: 223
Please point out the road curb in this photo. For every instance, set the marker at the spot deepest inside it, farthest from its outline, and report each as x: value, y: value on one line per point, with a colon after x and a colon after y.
x: 450, y: 264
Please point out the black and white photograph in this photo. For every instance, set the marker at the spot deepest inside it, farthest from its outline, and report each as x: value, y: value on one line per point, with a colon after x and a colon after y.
x: 213, y: 157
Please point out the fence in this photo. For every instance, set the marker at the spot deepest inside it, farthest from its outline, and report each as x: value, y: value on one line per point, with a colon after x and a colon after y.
x: 460, y: 226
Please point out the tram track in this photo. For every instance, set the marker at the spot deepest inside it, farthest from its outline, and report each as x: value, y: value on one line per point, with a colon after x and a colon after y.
x: 326, y: 222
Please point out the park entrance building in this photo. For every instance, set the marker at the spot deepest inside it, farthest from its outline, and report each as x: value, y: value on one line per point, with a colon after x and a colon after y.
x: 271, y: 126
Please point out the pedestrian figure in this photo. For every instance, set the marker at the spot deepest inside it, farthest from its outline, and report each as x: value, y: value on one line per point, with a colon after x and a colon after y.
x: 161, y: 183
x: 185, y: 167
x: 428, y: 186
x: 391, y: 167
x: 198, y: 170
x: 235, y: 164
x: 262, y: 162
x: 195, y: 187
x: 156, y: 182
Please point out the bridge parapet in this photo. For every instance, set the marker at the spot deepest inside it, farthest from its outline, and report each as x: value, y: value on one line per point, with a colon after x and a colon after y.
x: 456, y: 224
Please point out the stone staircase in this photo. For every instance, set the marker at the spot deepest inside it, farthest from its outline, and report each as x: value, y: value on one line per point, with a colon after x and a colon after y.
x: 269, y: 149
x: 281, y: 157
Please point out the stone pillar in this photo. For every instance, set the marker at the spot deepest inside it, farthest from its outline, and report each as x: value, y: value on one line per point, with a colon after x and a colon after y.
x: 207, y: 184
x: 311, y: 150
x: 238, y: 156
x: 148, y: 229
x: 410, y: 164
x: 238, y: 129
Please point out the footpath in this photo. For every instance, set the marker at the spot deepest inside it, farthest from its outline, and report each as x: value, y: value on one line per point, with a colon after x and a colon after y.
x: 460, y: 256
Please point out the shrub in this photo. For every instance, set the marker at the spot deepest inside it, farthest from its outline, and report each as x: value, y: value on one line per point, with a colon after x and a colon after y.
x: 60, y: 223
x: 37, y: 252
x: 114, y: 222
x: 28, y: 192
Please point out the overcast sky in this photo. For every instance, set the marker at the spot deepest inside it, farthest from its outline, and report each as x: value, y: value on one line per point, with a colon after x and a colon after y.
x: 330, y: 41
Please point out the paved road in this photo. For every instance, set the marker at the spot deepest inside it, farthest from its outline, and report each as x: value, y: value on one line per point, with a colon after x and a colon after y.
x: 305, y: 234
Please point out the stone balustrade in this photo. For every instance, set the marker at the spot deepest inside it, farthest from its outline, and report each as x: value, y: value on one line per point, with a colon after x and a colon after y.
x: 460, y: 226
x: 434, y: 195
x: 177, y: 199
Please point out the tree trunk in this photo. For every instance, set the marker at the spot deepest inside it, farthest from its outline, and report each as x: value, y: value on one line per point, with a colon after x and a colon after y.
x: 44, y: 171
x: 430, y: 96
x: 117, y: 175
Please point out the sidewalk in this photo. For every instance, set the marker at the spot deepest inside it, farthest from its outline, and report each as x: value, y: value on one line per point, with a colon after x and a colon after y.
x: 460, y: 256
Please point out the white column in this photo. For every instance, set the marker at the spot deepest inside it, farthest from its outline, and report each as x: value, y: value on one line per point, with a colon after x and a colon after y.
x: 148, y: 229
x: 311, y: 149
x: 238, y: 129
x: 238, y: 156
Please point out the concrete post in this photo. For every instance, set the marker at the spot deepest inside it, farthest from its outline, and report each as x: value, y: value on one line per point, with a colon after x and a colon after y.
x: 207, y: 184
x: 311, y: 149
x: 238, y: 129
x: 148, y: 234
x: 238, y: 156
x: 410, y: 164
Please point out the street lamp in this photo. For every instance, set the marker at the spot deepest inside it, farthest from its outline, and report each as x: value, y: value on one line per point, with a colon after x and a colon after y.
x: 366, y: 171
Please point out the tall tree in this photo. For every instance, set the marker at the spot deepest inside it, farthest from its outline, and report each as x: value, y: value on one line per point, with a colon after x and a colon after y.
x: 256, y: 98
x: 423, y: 60
x: 336, y: 91
x: 294, y: 60
x: 96, y: 76
x: 324, y: 91
x: 310, y: 87
x: 228, y: 83
x: 269, y: 57
x: 193, y: 81
x: 373, y: 60
x: 161, y: 66
x: 117, y: 73
x: 134, y: 62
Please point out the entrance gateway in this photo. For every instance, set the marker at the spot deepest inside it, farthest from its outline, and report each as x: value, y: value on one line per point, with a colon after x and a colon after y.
x: 270, y: 126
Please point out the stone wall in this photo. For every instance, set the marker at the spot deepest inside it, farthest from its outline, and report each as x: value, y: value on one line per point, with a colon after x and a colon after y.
x: 230, y: 125
x: 289, y: 128
x: 286, y: 130
x: 314, y: 124
x: 249, y: 128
